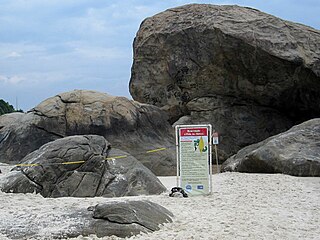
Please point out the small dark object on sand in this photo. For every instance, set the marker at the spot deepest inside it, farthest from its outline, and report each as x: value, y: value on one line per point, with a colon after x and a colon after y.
x: 177, y: 192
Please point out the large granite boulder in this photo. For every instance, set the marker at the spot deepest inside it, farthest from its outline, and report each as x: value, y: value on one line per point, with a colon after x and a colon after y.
x: 238, y: 124
x: 294, y: 152
x: 250, y: 74
x: 81, y: 166
x: 128, y: 125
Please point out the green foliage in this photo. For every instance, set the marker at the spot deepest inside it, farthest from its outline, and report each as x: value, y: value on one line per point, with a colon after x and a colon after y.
x: 5, y: 107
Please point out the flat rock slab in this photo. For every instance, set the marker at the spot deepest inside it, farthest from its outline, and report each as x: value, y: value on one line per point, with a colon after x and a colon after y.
x: 125, y: 219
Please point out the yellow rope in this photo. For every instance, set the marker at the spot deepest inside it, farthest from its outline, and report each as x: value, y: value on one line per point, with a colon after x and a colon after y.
x: 82, y: 161
x: 76, y: 162
x: 156, y: 150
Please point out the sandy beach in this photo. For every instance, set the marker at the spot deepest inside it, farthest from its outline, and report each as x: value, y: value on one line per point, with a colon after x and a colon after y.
x: 242, y: 206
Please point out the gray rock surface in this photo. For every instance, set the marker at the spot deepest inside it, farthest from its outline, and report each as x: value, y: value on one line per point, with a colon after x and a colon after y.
x: 121, y: 218
x: 238, y: 124
x: 250, y: 74
x: 125, y: 219
x: 128, y: 125
x: 294, y: 152
x: 81, y: 166
x: 20, y: 135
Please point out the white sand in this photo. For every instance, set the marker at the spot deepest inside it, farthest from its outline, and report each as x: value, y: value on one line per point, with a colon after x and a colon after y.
x: 242, y: 206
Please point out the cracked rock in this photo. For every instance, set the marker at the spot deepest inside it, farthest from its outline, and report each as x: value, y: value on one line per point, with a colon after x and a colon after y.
x: 250, y: 74
x: 128, y: 125
x: 125, y: 219
x: 79, y: 166
x: 294, y: 152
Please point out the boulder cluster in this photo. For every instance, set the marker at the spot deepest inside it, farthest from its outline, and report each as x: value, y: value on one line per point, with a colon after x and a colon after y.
x: 91, y: 144
x: 128, y: 125
x: 249, y: 74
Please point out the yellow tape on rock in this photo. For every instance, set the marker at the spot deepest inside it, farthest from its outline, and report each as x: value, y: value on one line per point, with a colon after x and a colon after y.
x: 82, y: 161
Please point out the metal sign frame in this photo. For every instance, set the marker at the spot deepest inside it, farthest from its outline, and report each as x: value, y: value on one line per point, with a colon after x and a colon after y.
x: 198, y: 181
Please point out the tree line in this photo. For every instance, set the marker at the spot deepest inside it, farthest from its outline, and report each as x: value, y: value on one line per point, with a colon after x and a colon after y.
x: 5, y: 107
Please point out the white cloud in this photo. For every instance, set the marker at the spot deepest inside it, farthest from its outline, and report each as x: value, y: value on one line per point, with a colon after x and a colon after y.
x: 84, y: 27
x: 85, y: 50
x: 13, y: 55
x: 133, y: 12
x: 31, y: 5
x: 12, y: 80
x: 19, y: 49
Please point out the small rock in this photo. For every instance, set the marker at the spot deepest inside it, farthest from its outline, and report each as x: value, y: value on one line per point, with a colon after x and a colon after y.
x: 125, y: 219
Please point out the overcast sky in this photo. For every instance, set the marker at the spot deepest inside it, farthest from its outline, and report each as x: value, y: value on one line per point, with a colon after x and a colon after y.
x: 53, y: 46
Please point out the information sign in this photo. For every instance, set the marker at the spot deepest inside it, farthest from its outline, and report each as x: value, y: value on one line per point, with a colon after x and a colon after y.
x: 194, y: 158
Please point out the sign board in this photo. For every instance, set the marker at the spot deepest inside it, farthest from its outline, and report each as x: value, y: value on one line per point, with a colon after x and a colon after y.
x: 215, y: 138
x: 194, y: 158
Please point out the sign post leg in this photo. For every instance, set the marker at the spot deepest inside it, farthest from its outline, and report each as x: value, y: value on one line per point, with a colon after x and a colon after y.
x: 217, y: 161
